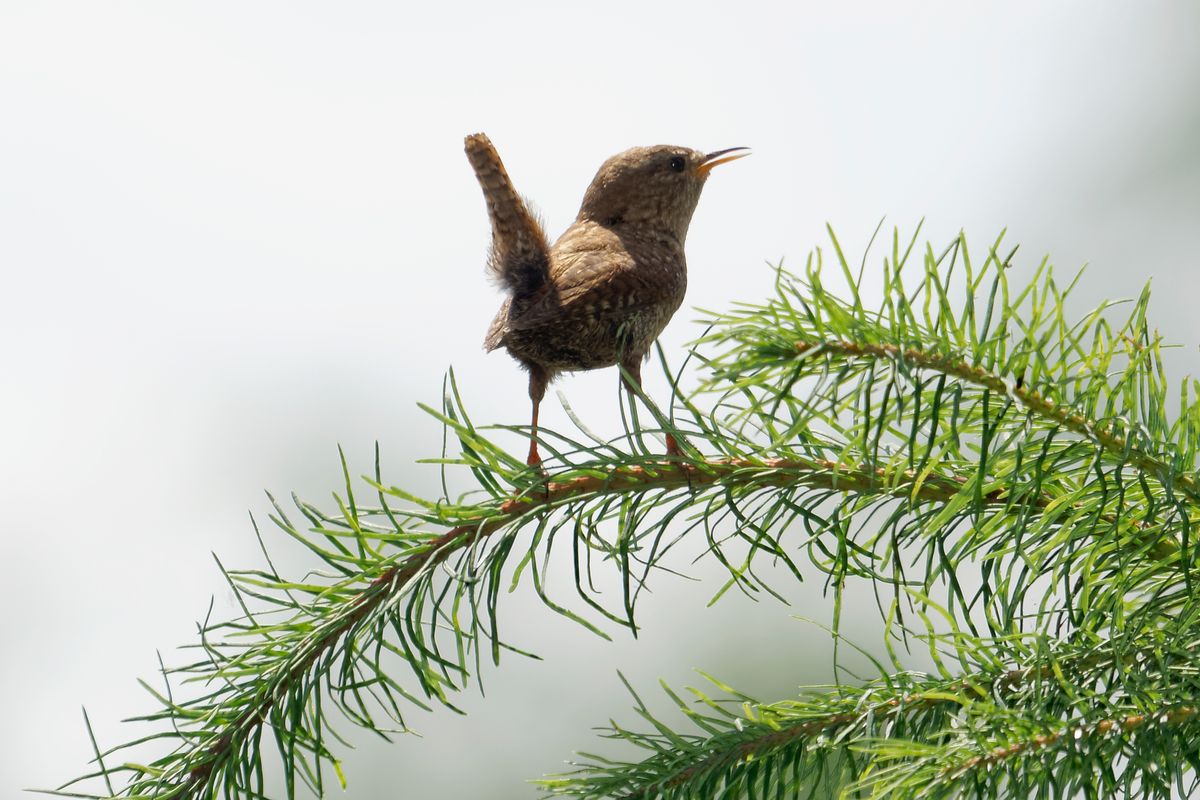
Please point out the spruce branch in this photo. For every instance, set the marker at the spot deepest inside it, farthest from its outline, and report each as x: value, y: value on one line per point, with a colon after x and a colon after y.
x: 919, y: 732
x: 1106, y: 435
x: 1010, y: 485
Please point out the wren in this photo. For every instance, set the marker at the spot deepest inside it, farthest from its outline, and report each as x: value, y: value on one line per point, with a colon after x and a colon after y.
x: 604, y: 291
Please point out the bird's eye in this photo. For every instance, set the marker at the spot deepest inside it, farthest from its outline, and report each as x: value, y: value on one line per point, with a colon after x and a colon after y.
x: 677, y: 163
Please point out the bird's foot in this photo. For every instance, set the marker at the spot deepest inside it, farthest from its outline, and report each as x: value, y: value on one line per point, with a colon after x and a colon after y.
x: 534, y: 460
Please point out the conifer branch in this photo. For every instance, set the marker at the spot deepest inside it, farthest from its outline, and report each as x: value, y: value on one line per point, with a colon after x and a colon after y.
x: 1172, y: 717
x: 633, y: 479
x: 1120, y: 447
x: 1013, y: 481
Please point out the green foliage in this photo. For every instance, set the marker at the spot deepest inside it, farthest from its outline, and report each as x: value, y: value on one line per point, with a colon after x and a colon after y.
x: 1013, y: 486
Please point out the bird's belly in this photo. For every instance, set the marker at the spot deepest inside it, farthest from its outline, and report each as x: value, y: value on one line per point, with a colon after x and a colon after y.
x: 590, y: 342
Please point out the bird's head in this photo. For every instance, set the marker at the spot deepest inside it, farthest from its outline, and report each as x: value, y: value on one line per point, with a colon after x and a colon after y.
x: 651, y: 186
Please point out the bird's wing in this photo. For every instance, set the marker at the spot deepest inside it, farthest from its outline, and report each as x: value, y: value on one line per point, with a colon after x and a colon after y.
x: 495, y: 334
x: 596, y: 283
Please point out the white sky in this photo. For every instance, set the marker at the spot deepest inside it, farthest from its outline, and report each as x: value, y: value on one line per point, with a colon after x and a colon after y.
x: 234, y: 235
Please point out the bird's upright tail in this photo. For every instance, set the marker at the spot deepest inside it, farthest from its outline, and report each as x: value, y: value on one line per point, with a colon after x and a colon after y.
x: 520, y: 255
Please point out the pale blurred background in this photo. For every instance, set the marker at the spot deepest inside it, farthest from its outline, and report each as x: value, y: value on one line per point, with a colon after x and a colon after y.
x: 233, y: 236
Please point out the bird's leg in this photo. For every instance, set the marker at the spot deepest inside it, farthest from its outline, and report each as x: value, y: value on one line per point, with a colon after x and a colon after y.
x: 538, y: 379
x: 632, y: 378
x: 533, y: 459
x: 632, y: 374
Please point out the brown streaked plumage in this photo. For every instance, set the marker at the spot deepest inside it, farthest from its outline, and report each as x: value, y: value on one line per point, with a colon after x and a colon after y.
x: 605, y: 290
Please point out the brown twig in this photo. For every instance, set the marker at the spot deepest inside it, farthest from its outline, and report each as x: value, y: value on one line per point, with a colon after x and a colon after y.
x: 1126, y: 724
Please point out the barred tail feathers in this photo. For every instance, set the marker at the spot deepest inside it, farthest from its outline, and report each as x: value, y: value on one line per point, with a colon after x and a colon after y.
x: 520, y: 254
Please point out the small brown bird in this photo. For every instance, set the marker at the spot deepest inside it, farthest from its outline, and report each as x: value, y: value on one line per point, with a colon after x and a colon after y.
x: 605, y: 290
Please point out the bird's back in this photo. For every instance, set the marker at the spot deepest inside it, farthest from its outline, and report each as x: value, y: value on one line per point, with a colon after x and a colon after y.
x: 608, y: 294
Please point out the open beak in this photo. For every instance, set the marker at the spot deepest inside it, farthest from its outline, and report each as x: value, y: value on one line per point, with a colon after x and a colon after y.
x: 713, y: 159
